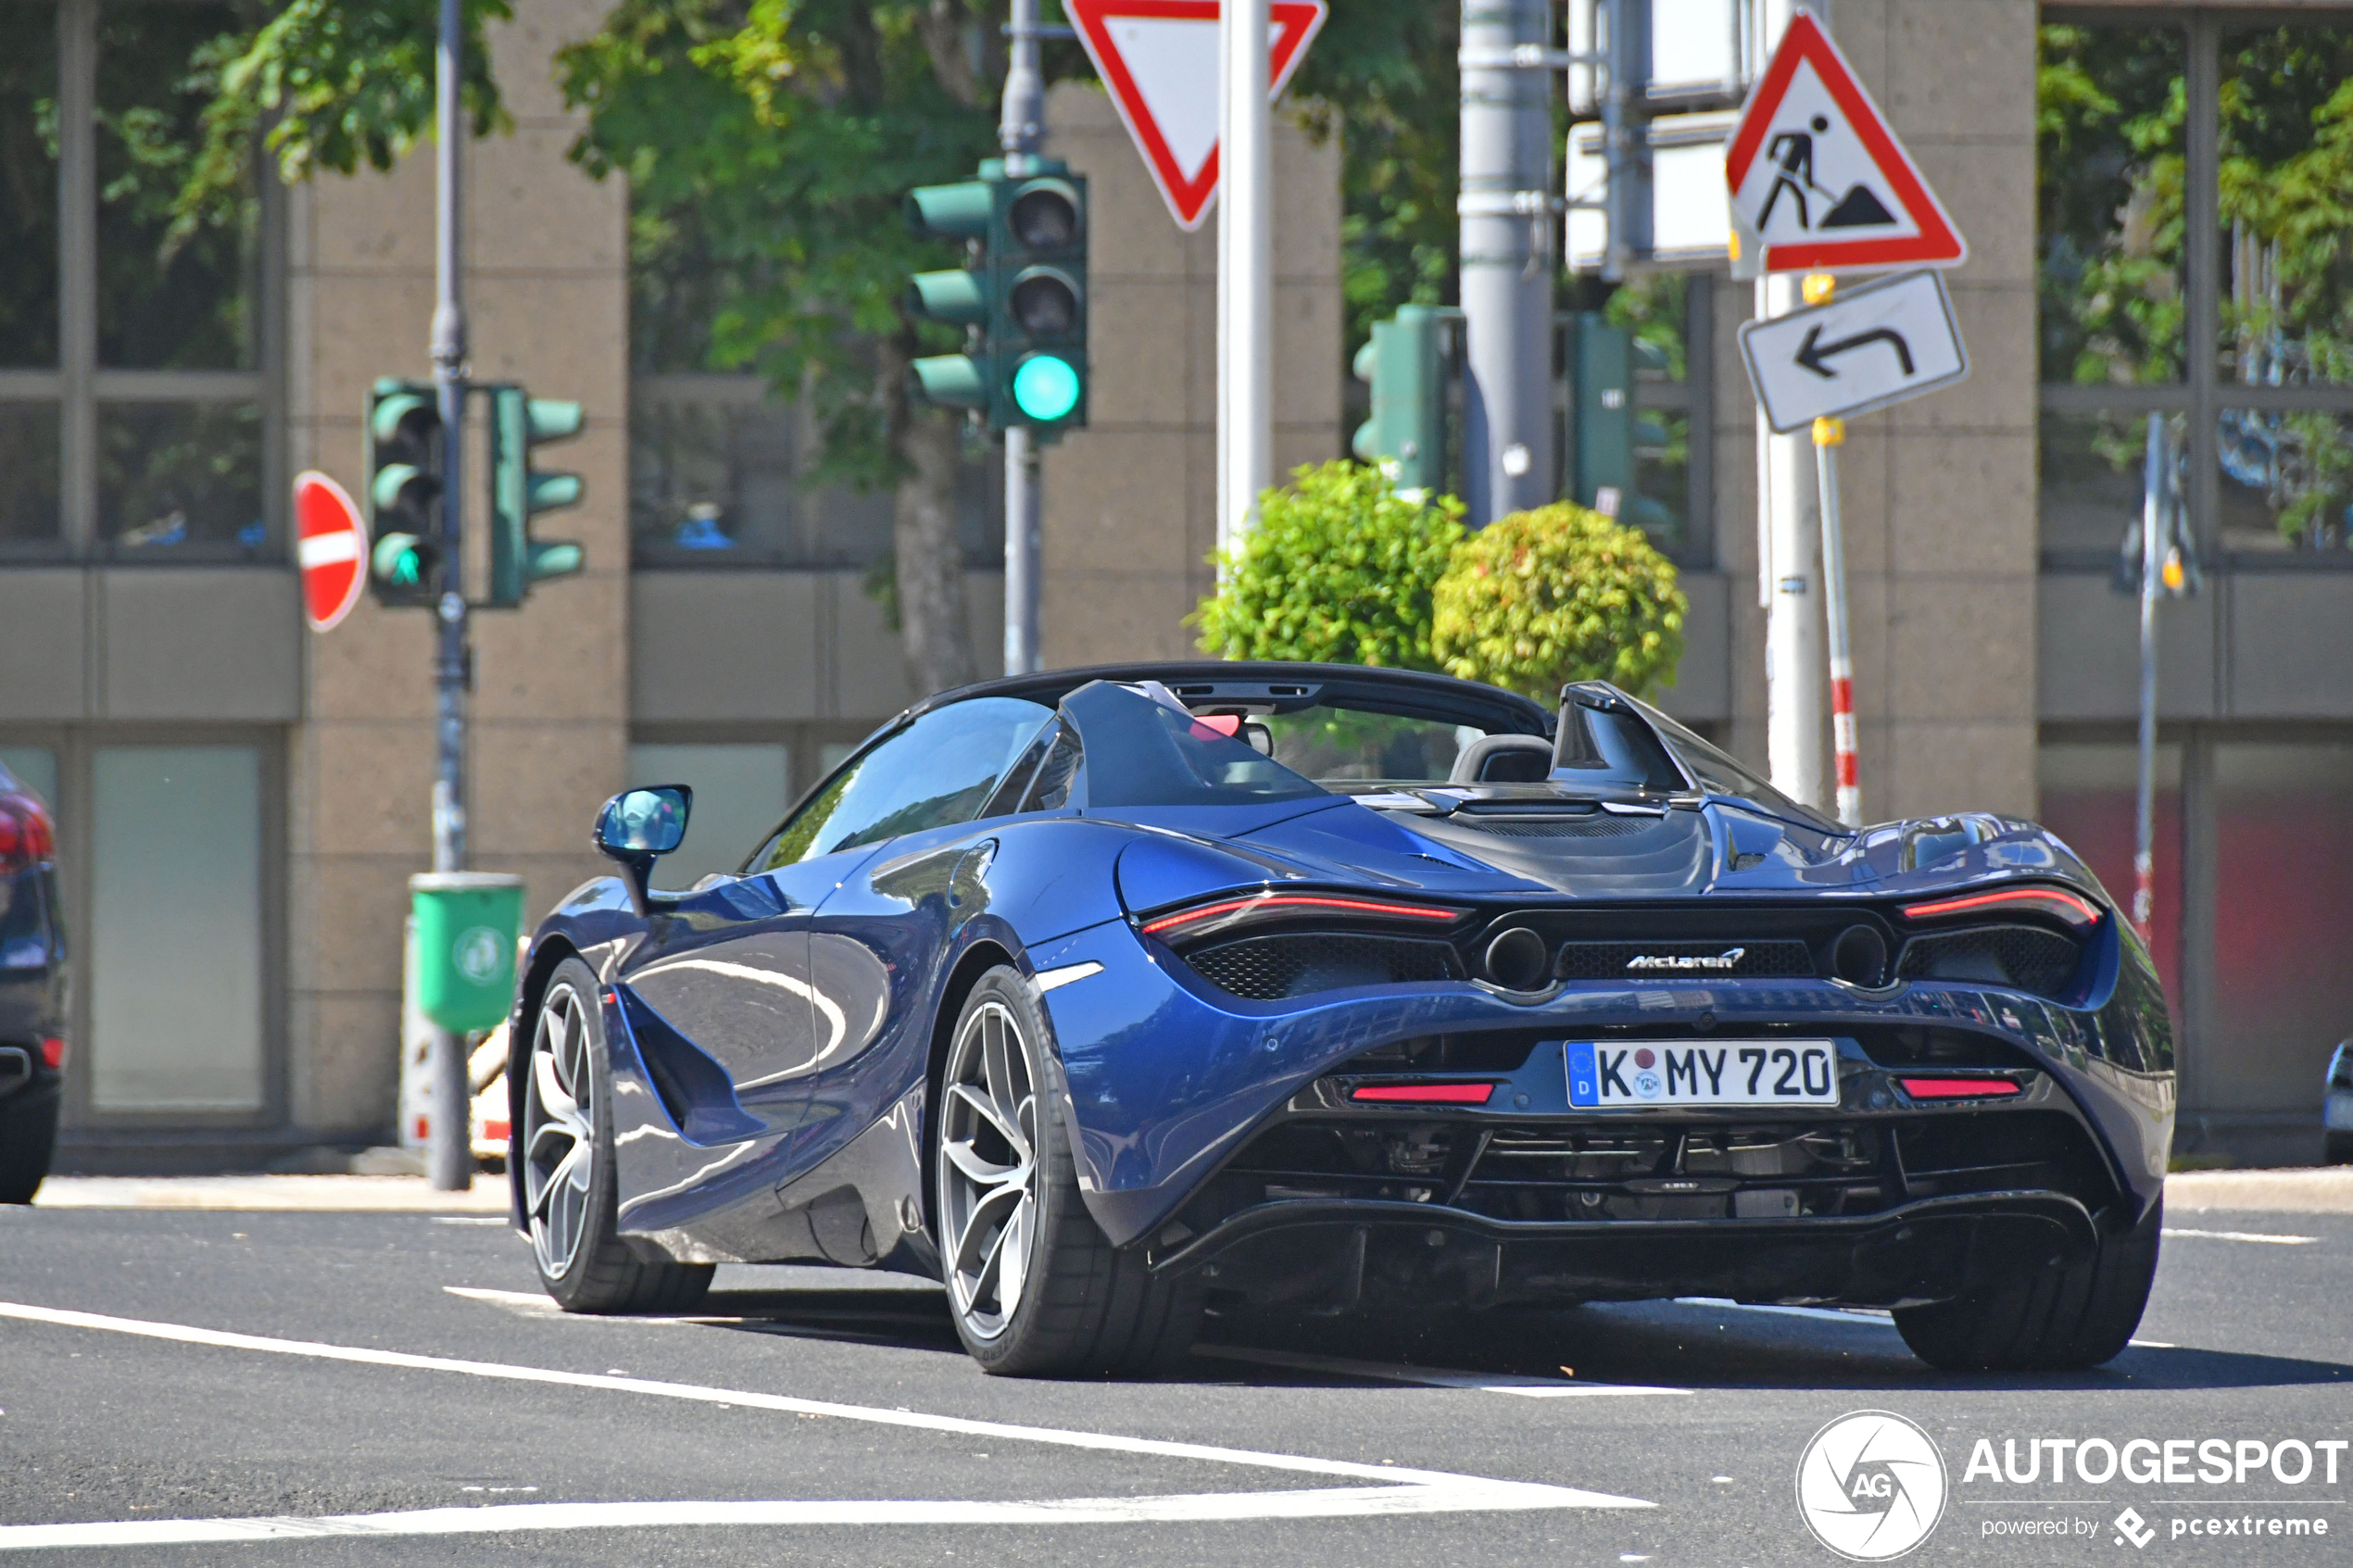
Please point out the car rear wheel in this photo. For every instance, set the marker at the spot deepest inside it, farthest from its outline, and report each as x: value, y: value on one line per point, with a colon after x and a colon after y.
x: 564, y: 1149
x: 1034, y: 1286
x: 28, y: 1137
x: 2337, y: 1150
x: 2045, y: 1316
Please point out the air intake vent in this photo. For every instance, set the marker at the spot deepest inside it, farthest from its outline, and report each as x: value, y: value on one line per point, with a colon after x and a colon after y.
x: 2019, y: 957
x: 1559, y: 827
x: 1268, y: 969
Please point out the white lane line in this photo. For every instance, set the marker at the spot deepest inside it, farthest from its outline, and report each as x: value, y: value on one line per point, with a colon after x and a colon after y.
x: 2169, y: 1232
x: 470, y: 1219
x: 1860, y: 1317
x: 1435, y: 1378
x: 1392, y: 1475
x: 1323, y: 1502
x: 530, y: 1303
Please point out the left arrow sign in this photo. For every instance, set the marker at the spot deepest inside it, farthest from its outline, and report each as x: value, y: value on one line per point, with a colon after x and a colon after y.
x: 1881, y: 343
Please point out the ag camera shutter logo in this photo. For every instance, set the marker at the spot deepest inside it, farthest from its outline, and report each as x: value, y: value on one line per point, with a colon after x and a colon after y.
x: 1870, y: 1485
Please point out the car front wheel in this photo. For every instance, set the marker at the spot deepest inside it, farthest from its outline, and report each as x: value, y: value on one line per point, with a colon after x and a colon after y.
x: 1034, y: 1286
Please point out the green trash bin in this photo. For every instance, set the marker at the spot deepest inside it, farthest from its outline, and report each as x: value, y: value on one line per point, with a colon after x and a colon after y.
x: 467, y: 925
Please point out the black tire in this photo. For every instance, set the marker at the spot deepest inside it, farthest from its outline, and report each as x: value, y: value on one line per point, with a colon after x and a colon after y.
x: 1082, y: 1307
x: 2337, y: 1150
x: 582, y: 1262
x: 2043, y: 1316
x: 27, y: 1138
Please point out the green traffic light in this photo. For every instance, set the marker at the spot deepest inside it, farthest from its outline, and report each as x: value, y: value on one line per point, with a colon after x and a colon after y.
x: 1046, y: 387
x: 398, y: 560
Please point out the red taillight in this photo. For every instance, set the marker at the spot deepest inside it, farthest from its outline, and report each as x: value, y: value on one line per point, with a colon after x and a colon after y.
x: 1426, y: 1093
x: 53, y: 1055
x: 26, y: 839
x: 1309, y: 902
x: 2067, y: 906
x: 1958, y: 1088
x: 1226, y: 725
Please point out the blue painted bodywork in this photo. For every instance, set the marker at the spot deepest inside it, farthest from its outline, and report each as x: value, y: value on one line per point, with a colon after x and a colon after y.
x: 795, y: 1130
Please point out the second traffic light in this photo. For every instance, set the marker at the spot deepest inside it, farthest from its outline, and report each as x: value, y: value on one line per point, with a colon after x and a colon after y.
x: 405, y: 442
x: 518, y: 492
x: 1413, y: 362
x: 1021, y: 299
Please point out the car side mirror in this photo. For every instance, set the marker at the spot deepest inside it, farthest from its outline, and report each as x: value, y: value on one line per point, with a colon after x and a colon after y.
x: 637, y: 827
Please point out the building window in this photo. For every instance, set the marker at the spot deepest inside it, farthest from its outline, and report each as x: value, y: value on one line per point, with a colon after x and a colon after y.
x: 2193, y: 266
x: 134, y: 369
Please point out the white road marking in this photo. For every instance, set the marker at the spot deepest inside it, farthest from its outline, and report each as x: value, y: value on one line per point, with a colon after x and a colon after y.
x: 529, y: 1303
x: 1398, y: 1489
x: 2243, y: 1236
x: 1863, y: 1317
x: 1323, y: 1502
x: 470, y: 1219
x: 1435, y: 1378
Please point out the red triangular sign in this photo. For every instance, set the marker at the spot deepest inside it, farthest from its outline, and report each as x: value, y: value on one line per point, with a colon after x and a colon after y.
x: 331, y: 548
x: 1159, y: 57
x: 1819, y: 181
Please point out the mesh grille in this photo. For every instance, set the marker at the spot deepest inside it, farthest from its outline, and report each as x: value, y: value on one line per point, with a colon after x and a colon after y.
x: 1561, y: 827
x: 2016, y: 956
x: 1268, y: 969
x: 1609, y: 960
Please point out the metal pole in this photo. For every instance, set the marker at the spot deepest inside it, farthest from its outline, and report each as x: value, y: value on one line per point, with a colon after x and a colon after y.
x: 1505, y: 217
x: 2152, y: 573
x: 1827, y: 435
x: 1794, y: 653
x: 1021, y: 132
x: 1764, y: 308
x: 1245, y: 270
x: 451, y: 1163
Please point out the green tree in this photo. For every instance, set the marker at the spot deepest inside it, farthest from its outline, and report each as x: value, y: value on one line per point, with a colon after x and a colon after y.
x: 1340, y: 569
x: 1540, y: 598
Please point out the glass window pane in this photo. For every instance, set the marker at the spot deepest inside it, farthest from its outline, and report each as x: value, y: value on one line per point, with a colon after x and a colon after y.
x: 166, y: 300
x: 2284, y: 899
x: 941, y: 770
x: 28, y: 182
x: 28, y: 473
x: 2090, y: 485
x: 179, y: 477
x: 2286, y: 165
x: 2287, y: 482
x: 34, y: 767
x: 175, y: 928
x: 740, y: 792
x: 2109, y: 173
x: 2091, y: 799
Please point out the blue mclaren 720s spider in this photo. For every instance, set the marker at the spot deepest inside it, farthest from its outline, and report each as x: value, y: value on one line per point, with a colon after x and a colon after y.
x: 1110, y: 997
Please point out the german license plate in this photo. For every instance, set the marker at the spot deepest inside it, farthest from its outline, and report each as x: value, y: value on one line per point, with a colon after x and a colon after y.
x: 1636, y: 1074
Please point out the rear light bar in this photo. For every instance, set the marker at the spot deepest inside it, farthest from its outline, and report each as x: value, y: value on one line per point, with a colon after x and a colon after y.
x: 1958, y: 1088
x: 1311, y: 902
x: 26, y: 838
x: 53, y: 1054
x: 2080, y: 913
x: 1425, y: 1094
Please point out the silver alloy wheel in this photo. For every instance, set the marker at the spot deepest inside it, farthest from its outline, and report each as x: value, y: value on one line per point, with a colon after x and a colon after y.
x: 988, y: 1169
x: 560, y: 1127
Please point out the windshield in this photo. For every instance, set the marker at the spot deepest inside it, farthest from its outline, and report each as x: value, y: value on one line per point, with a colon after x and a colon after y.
x: 1141, y: 751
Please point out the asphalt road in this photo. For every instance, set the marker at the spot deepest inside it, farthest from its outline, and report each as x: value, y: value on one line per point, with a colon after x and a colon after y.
x: 157, y: 1368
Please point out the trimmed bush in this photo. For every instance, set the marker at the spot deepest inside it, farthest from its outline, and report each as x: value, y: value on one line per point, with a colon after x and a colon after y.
x: 1540, y: 598
x: 1340, y: 568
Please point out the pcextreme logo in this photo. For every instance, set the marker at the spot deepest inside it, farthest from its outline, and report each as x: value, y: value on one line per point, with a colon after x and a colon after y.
x: 1870, y: 1485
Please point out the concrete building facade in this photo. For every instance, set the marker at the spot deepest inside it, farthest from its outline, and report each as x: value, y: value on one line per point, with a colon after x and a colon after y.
x: 261, y: 793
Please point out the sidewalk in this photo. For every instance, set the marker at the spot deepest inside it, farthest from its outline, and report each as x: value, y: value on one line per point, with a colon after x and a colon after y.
x: 2325, y: 1189
x: 326, y: 1194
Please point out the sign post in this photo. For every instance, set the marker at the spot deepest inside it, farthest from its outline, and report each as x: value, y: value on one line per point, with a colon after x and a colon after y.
x: 1820, y: 185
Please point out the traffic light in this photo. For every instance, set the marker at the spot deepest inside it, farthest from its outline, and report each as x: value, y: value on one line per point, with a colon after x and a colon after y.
x: 1020, y: 298
x: 1411, y: 362
x: 404, y: 438
x: 1038, y: 322
x: 965, y: 211
x: 1608, y: 437
x: 518, y: 423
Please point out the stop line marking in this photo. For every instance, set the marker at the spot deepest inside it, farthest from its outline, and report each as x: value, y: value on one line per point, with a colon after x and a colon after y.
x: 1397, y: 1489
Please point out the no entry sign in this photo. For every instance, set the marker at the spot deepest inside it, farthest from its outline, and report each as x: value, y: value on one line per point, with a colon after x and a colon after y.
x: 331, y: 546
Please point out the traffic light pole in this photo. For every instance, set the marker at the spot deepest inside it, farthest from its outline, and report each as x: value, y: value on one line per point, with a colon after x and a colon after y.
x: 1021, y: 132
x: 1245, y: 270
x: 450, y: 1163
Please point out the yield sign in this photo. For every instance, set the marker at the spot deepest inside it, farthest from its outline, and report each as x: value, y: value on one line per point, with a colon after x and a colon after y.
x: 1818, y: 182
x: 331, y: 546
x: 1160, y: 59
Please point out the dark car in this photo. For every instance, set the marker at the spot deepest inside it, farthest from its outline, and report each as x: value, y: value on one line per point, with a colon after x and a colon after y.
x: 1108, y: 996
x: 32, y: 992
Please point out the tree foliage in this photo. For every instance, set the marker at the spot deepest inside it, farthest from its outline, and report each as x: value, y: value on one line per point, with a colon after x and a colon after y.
x: 1339, y: 569
x: 1559, y: 593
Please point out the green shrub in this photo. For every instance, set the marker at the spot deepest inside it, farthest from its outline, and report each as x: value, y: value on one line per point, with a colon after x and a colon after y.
x: 1339, y: 569
x: 1540, y: 598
